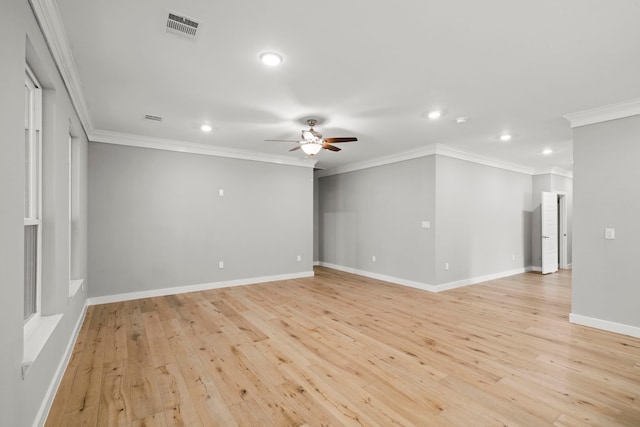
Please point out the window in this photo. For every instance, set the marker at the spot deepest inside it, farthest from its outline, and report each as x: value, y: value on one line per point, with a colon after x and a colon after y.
x: 32, y: 196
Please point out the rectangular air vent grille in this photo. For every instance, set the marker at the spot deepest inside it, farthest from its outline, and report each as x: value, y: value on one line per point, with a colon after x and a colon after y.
x: 182, y: 25
x: 153, y: 118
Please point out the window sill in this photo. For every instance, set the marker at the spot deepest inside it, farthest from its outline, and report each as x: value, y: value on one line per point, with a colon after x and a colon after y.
x: 37, y: 335
x: 74, y: 287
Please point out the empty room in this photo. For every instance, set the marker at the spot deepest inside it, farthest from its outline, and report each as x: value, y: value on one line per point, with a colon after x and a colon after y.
x: 289, y: 213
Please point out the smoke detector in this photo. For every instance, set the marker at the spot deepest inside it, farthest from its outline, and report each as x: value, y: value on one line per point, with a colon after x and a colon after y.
x: 182, y: 25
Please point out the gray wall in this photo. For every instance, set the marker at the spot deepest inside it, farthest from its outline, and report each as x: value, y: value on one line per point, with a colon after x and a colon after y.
x: 607, y: 194
x: 483, y: 219
x: 378, y: 212
x: 480, y: 217
x: 20, y: 38
x: 158, y: 222
x: 12, y: 52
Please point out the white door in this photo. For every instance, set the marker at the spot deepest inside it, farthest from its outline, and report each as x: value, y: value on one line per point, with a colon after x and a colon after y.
x: 549, y: 213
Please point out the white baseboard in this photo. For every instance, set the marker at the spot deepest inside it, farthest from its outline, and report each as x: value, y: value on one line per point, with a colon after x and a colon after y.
x: 536, y: 268
x: 45, y: 407
x: 480, y: 279
x: 195, y: 288
x: 605, y: 325
x: 427, y: 286
x: 396, y: 280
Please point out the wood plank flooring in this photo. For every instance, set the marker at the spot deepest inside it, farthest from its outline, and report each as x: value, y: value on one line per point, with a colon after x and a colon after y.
x: 344, y: 350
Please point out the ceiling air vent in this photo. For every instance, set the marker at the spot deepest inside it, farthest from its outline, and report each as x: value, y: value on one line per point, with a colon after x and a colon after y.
x: 181, y: 25
x: 153, y: 118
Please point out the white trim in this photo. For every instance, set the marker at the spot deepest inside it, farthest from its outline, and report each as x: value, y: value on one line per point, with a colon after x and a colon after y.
x: 119, y: 138
x: 554, y: 171
x: 48, y: 17
x: 480, y: 279
x: 460, y: 154
x: 428, y: 150
x: 45, y: 407
x: 604, y: 113
x: 426, y: 286
x: 605, y: 325
x: 536, y: 268
x: 194, y: 288
x: 74, y: 286
x: 35, y: 338
x: 415, y: 153
x: 384, y: 278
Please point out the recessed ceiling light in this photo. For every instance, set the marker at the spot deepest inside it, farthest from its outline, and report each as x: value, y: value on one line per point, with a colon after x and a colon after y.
x: 505, y: 137
x: 206, y: 128
x: 547, y: 151
x: 435, y: 114
x: 461, y: 120
x: 271, y: 58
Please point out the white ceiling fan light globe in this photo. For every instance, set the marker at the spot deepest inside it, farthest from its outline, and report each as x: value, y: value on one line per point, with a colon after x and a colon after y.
x: 311, y: 148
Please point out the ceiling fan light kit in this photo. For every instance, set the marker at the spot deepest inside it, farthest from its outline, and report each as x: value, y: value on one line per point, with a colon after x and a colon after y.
x: 312, y: 142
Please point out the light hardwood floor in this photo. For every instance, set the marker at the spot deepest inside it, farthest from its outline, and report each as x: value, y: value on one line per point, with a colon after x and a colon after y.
x: 340, y: 349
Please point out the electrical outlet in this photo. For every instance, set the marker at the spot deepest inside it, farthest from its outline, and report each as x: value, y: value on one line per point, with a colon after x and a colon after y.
x: 221, y: 192
x: 373, y: 258
x: 299, y: 257
x: 513, y: 257
x: 446, y: 266
x: 220, y: 264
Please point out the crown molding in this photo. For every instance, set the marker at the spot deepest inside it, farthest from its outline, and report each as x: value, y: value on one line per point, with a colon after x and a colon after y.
x: 139, y: 141
x: 428, y: 150
x: 380, y: 161
x: 604, y: 113
x: 554, y: 171
x: 460, y: 154
x: 50, y: 22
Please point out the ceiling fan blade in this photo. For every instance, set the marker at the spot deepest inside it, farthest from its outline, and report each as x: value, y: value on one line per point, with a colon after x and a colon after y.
x: 330, y: 147
x: 282, y: 140
x: 296, y: 148
x: 343, y: 139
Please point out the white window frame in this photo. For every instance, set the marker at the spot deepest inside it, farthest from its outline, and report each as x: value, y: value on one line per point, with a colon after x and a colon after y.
x: 33, y: 190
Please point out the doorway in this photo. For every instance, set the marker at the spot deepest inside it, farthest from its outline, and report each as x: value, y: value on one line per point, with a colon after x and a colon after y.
x: 554, y: 231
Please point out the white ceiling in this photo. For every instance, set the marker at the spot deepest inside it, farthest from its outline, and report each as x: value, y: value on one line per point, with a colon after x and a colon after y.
x: 367, y: 69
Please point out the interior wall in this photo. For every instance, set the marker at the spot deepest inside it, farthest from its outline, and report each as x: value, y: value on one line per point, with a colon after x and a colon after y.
x: 378, y: 212
x: 606, y: 176
x: 483, y: 220
x: 158, y: 221
x: 316, y: 216
x: 24, y: 401
x: 12, y: 52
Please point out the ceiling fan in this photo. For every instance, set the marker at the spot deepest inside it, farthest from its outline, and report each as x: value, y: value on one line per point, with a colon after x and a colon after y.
x: 311, y: 141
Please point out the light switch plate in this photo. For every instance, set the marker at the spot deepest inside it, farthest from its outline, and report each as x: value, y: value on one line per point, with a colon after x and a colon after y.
x: 426, y: 224
x: 610, y: 233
